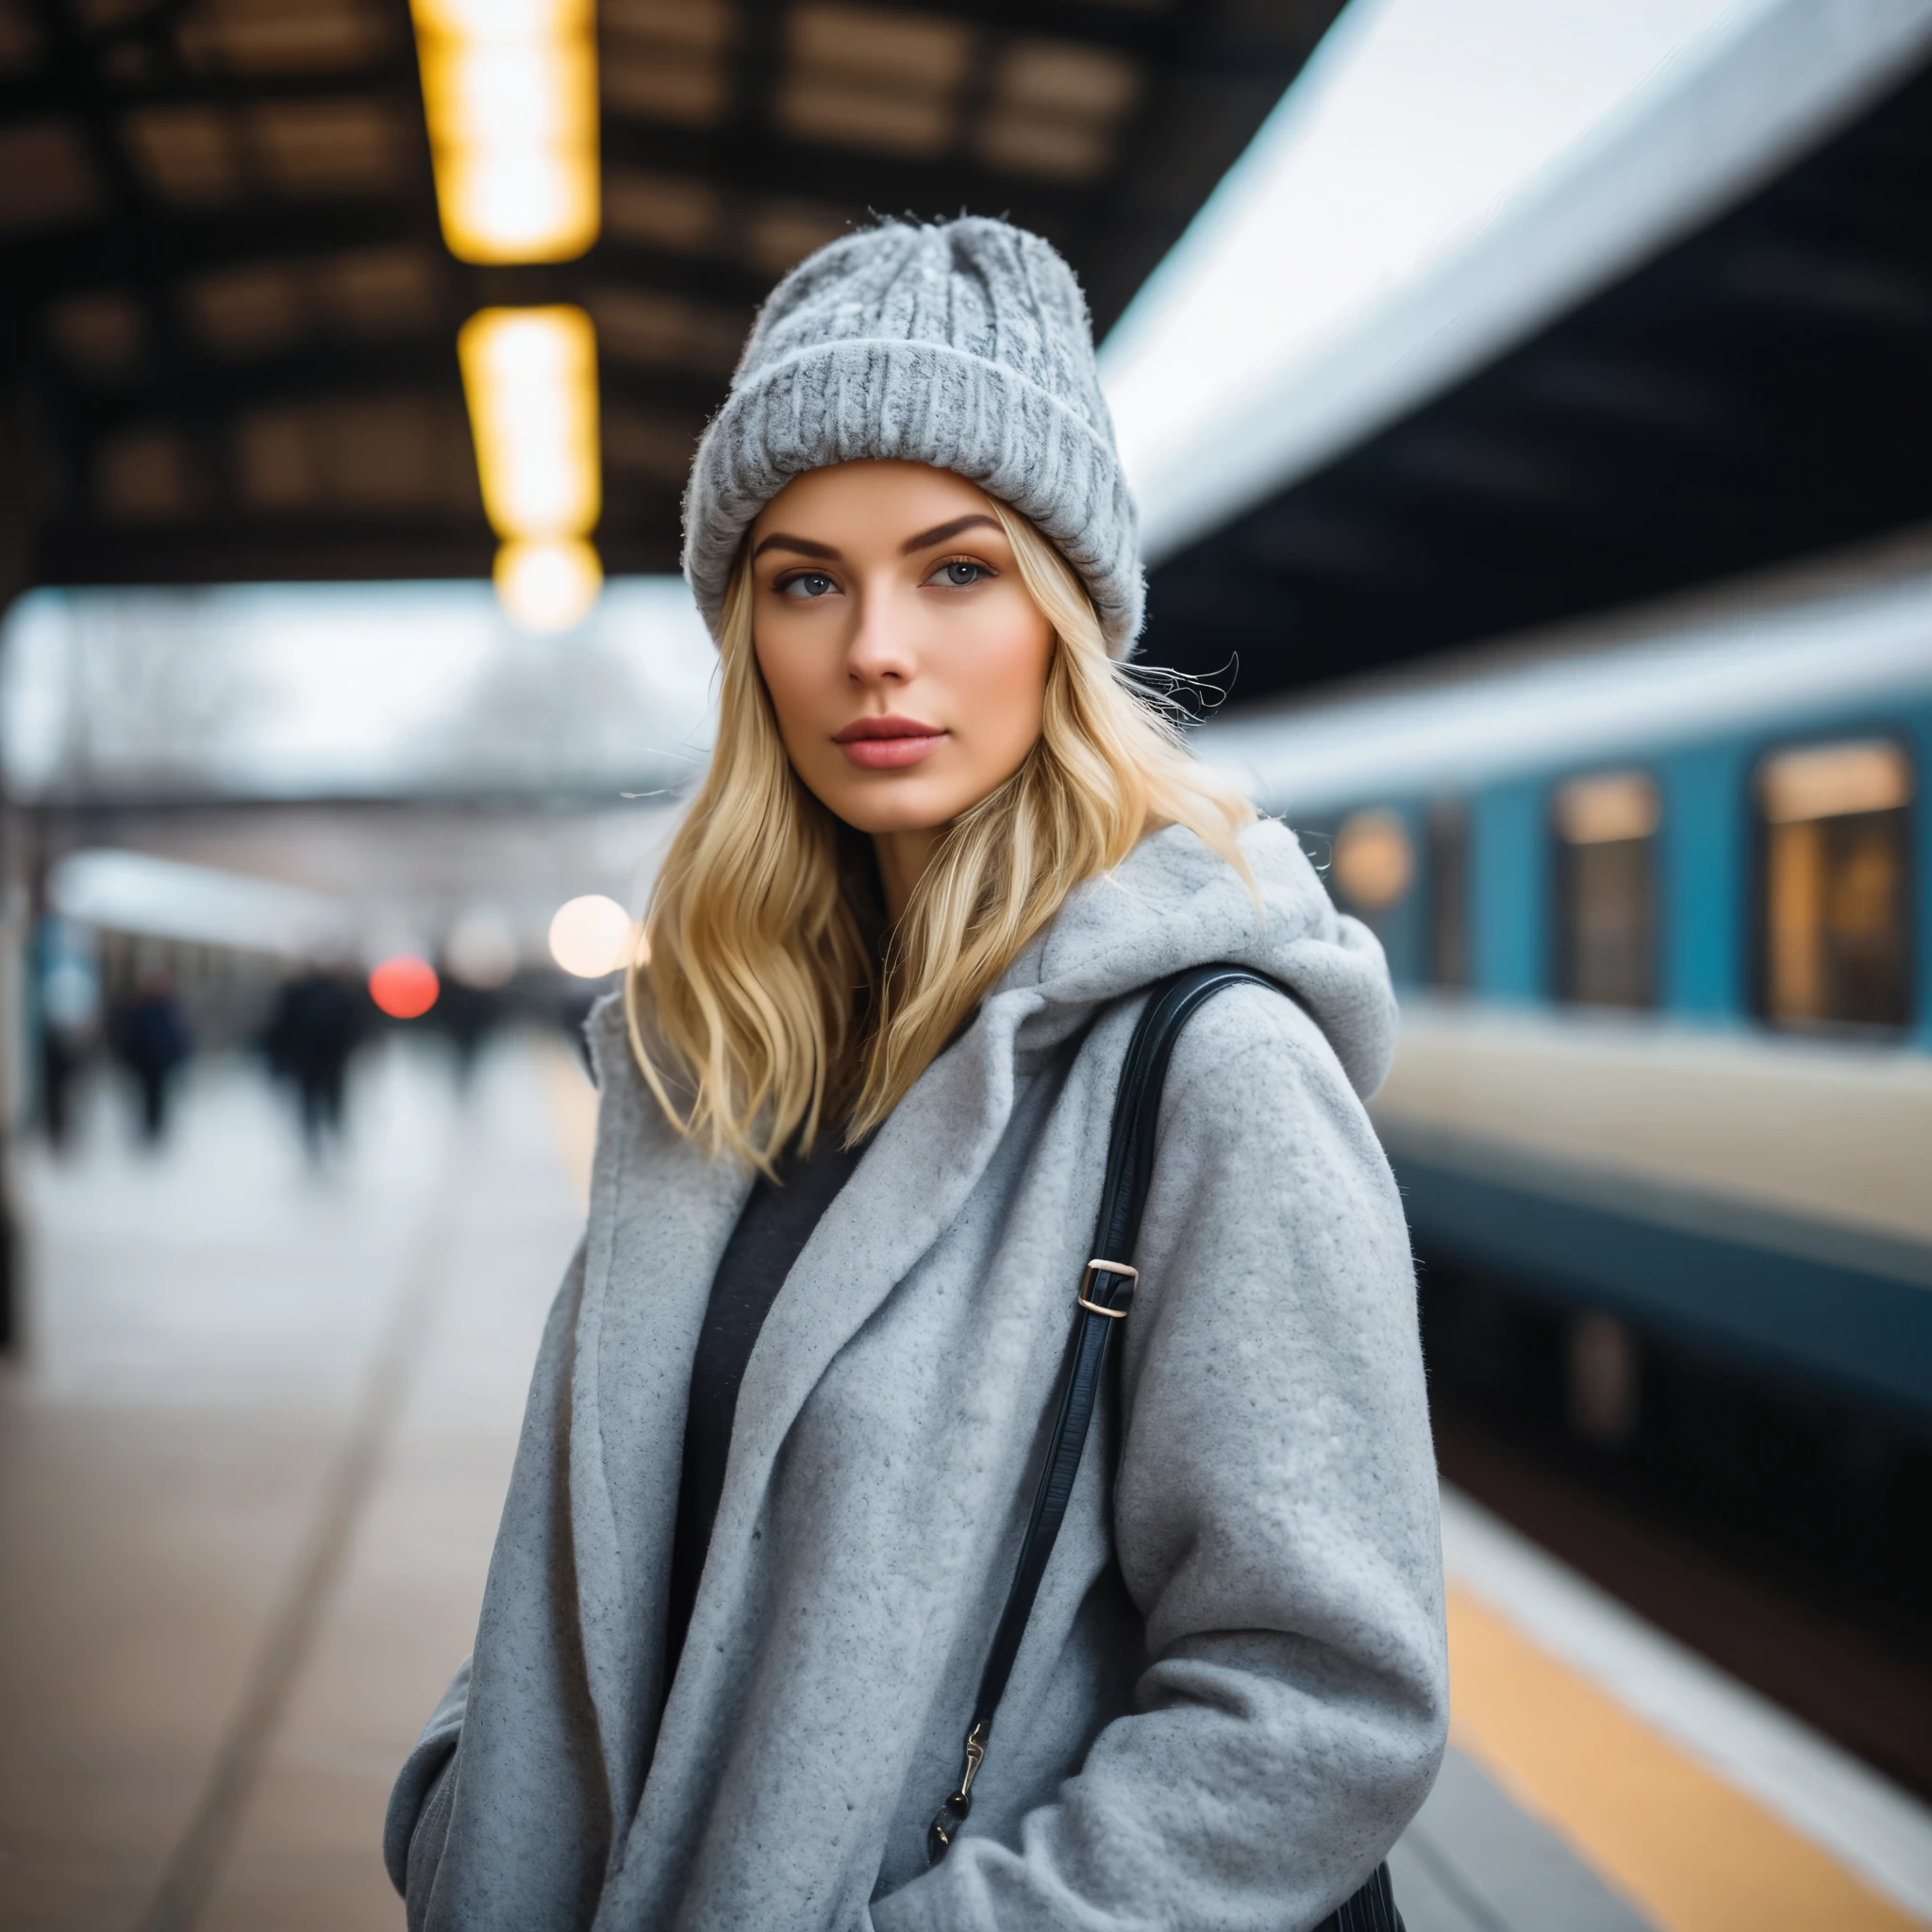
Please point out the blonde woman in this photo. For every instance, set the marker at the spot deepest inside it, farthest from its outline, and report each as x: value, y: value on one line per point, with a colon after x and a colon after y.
x: 788, y: 1417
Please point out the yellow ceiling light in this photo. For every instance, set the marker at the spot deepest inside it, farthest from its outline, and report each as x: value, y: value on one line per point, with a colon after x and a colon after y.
x: 510, y: 90
x: 530, y: 377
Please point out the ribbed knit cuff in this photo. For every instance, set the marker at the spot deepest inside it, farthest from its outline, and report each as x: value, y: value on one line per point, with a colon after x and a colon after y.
x: 918, y: 402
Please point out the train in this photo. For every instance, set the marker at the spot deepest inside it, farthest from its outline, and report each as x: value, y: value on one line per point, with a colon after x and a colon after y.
x: 1652, y: 888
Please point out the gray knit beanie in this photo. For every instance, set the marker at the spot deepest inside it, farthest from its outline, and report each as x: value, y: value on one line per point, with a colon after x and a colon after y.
x: 965, y: 345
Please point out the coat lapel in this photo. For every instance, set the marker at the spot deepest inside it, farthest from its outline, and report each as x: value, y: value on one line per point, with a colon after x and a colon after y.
x: 905, y: 1193
x: 912, y: 1186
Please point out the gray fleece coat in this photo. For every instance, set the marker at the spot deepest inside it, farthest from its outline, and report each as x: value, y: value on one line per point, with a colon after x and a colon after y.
x: 1232, y: 1694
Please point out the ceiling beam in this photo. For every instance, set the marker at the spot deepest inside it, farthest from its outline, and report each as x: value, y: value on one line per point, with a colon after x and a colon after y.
x: 82, y: 551
x: 763, y: 160
x: 26, y: 97
x: 96, y: 255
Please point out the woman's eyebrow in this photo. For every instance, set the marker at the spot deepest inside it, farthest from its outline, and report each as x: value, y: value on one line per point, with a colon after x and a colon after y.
x: 945, y: 532
x: 804, y: 545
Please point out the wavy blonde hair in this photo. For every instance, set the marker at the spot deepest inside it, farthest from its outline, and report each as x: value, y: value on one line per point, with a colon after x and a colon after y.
x: 776, y: 998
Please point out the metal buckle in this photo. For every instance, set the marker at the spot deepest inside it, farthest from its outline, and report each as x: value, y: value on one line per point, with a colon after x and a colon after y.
x: 1104, y: 1267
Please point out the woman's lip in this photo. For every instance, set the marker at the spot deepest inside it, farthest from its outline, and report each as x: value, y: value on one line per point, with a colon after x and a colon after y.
x: 892, y: 753
x: 890, y: 725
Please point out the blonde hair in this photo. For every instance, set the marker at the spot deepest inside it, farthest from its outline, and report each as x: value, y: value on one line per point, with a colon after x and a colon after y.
x: 771, y: 1007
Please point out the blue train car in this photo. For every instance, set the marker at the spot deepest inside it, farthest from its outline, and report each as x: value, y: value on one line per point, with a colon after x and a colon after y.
x: 1654, y: 890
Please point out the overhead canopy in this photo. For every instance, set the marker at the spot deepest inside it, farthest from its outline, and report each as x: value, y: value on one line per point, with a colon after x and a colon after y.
x: 230, y: 320
x: 1678, y: 322
x: 1441, y: 180
x: 1699, y: 342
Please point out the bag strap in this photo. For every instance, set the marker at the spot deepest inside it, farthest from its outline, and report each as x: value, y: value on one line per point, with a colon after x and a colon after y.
x: 1102, y: 1300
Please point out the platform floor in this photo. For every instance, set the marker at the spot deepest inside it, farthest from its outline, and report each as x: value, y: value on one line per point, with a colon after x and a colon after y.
x: 250, y: 1469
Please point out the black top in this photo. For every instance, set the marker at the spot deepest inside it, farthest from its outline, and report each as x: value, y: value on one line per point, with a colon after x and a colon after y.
x: 770, y: 1236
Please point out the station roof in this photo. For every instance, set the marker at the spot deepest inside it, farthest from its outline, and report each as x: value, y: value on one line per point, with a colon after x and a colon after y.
x: 1749, y: 387
x: 230, y: 321
x: 227, y: 318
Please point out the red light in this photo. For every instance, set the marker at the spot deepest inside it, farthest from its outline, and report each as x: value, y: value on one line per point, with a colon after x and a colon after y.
x: 405, y: 988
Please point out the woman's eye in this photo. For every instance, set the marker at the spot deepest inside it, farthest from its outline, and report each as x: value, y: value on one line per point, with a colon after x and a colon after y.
x: 811, y: 583
x: 958, y: 575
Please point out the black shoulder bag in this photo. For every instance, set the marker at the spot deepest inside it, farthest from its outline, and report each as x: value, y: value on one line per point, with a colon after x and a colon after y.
x: 1105, y: 1291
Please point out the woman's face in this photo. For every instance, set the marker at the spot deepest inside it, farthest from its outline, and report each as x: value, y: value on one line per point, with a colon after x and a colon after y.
x: 905, y: 660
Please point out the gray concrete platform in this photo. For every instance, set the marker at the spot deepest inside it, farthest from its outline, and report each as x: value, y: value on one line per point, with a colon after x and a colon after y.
x: 250, y: 1471
x: 1474, y: 1861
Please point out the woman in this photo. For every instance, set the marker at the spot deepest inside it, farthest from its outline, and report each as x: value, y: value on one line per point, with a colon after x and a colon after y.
x: 757, y: 1540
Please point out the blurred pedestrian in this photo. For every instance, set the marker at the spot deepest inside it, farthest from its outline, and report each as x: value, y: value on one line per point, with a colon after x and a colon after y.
x: 61, y: 1057
x: 317, y: 1025
x: 467, y: 1015
x: 151, y: 1039
x: 70, y: 1027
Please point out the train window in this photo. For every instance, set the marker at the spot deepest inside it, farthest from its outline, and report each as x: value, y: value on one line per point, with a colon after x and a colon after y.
x: 1607, y: 889
x: 1374, y: 861
x: 1448, y: 888
x: 1835, y: 906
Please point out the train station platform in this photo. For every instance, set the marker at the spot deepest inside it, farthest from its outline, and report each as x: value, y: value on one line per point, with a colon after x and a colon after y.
x: 251, y: 1462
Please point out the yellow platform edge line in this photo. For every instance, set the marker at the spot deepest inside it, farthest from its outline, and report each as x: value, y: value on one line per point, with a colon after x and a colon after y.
x: 1689, y: 1852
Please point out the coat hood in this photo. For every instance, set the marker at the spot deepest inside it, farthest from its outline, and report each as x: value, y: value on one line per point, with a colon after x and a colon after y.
x: 1174, y: 904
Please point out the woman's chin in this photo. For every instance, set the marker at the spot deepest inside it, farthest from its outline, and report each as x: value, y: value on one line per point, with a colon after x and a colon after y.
x: 881, y: 819
x: 883, y: 803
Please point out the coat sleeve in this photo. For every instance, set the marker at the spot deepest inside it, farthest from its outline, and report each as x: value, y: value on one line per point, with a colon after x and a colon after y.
x: 514, y: 1725
x: 1275, y: 1522
x: 414, y: 1810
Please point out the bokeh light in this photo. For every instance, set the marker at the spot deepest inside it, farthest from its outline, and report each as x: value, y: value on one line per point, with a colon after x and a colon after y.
x: 1374, y: 859
x: 548, y: 585
x: 403, y: 987
x: 480, y: 951
x: 592, y: 936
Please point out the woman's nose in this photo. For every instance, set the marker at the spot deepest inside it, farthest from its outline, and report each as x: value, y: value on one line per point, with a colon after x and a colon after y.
x: 880, y: 650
